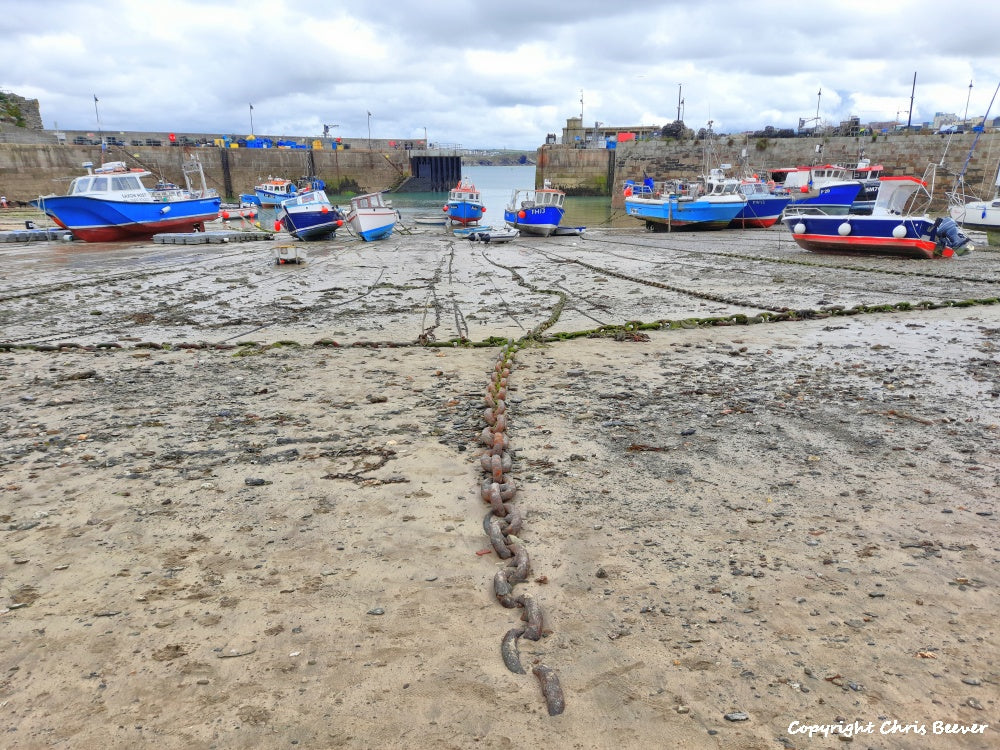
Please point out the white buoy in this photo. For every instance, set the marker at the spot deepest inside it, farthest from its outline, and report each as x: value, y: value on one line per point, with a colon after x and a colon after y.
x: 844, y: 229
x: 799, y: 228
x: 899, y: 231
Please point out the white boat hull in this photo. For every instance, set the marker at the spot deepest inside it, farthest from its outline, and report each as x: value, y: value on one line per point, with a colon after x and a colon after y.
x: 978, y: 214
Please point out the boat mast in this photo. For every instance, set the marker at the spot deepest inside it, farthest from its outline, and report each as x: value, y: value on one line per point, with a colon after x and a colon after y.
x: 913, y: 91
x: 960, y: 179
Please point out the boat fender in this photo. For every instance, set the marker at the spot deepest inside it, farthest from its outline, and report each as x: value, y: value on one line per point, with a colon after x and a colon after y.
x: 899, y: 231
x: 799, y: 228
x: 844, y: 229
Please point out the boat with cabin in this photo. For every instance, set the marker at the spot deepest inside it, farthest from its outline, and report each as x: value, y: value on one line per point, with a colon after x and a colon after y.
x: 272, y: 191
x: 370, y: 217
x: 536, y: 211
x: 892, y: 228
x: 111, y: 203
x: 810, y: 181
x: 836, y: 199
x: 675, y: 204
x: 465, y: 205
x: 309, y: 216
x: 761, y: 208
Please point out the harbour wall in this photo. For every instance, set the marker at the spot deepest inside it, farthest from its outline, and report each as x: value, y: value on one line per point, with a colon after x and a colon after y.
x: 603, y: 171
x: 30, y: 170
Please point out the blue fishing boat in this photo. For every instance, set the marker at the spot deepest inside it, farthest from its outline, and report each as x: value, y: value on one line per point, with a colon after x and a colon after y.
x: 272, y: 191
x: 464, y: 206
x: 761, y: 207
x: 673, y: 204
x: 834, y: 199
x: 371, y: 218
x: 536, y: 211
x: 887, y: 230
x: 110, y: 203
x: 310, y: 216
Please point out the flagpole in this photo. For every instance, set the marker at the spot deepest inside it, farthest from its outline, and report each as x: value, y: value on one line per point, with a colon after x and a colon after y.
x: 251, y: 119
x: 369, y: 131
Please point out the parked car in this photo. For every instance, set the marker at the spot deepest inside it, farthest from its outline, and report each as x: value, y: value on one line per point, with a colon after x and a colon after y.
x: 945, y: 129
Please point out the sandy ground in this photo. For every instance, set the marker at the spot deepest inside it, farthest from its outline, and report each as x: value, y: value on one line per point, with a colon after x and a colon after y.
x: 786, y: 524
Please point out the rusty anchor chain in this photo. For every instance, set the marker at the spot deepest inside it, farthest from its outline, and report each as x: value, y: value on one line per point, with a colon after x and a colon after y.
x: 502, y: 524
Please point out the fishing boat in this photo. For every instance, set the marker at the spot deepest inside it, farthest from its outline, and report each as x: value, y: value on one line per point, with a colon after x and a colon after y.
x: 536, y: 211
x: 370, y: 217
x: 976, y: 214
x: 868, y: 175
x: 835, y: 199
x: 272, y: 191
x: 812, y: 180
x: 110, y: 203
x: 888, y: 230
x: 309, y: 216
x: 464, y: 206
x: 761, y: 207
x: 673, y: 204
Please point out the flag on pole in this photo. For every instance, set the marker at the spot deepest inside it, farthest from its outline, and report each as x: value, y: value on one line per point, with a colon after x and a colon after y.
x: 251, y: 106
x: 95, y: 98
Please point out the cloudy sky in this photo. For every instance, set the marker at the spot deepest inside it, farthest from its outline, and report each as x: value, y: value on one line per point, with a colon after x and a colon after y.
x: 490, y: 75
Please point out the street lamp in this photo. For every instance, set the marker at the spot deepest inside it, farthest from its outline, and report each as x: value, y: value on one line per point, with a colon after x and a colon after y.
x: 251, y: 119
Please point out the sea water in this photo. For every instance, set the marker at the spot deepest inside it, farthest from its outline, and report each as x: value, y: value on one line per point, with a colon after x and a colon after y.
x: 495, y: 186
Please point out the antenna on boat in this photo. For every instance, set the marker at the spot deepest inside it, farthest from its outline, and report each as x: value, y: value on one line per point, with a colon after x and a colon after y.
x: 98, y: 115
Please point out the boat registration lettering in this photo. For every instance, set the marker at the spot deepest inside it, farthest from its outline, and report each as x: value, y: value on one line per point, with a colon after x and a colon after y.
x: 134, y: 196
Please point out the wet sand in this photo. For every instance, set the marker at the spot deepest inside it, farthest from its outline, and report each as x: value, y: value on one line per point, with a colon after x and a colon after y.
x: 241, y: 508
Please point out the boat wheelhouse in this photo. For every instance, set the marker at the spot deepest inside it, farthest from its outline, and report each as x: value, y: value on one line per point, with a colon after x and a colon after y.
x: 536, y: 211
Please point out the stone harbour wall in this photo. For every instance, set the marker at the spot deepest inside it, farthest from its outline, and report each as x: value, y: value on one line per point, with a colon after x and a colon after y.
x: 579, y: 170
x: 30, y: 170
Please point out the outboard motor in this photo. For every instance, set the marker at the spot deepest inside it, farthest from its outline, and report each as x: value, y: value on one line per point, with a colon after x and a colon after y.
x: 948, y: 234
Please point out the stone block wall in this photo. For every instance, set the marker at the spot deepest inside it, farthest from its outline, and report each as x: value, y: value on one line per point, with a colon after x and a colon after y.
x: 30, y: 170
x: 900, y: 154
